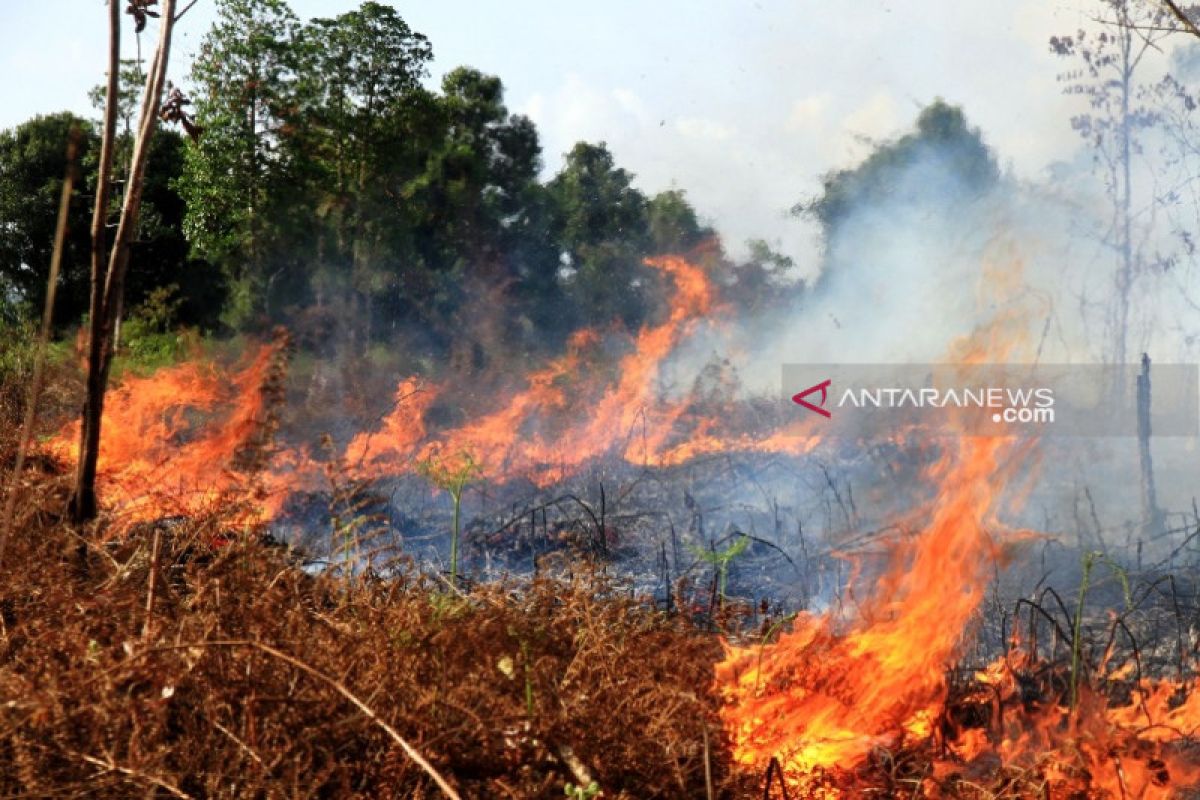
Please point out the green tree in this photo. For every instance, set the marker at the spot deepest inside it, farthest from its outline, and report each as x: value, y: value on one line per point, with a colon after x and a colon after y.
x: 763, y: 280
x: 674, y: 226
x: 132, y: 79
x: 601, y: 225
x: 957, y: 165
x: 32, y: 165
x: 483, y: 215
x: 239, y: 178
x: 365, y: 111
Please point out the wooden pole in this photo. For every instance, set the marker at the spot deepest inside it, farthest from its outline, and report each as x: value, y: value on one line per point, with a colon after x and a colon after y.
x: 1152, y: 516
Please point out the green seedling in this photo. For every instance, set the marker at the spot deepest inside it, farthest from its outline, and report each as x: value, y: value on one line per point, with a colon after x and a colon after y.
x: 1089, y: 561
x: 453, y: 478
x: 581, y: 792
x: 721, y: 559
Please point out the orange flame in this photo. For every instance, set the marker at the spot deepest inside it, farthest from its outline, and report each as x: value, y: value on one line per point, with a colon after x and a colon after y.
x: 170, y: 441
x: 820, y: 698
x: 826, y: 694
x: 160, y: 457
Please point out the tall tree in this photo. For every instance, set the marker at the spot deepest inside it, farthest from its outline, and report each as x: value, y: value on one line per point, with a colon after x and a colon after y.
x: 674, y: 226
x: 129, y: 85
x: 483, y: 223
x: 361, y: 77
x: 602, y: 228
x: 241, y: 175
x: 1116, y: 117
x: 943, y: 147
x: 32, y: 165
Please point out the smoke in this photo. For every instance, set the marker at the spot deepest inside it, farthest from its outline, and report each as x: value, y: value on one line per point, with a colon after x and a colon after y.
x: 936, y: 255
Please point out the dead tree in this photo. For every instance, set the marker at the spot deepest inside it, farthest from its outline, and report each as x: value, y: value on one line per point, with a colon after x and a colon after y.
x: 1152, y: 516
x: 109, y: 265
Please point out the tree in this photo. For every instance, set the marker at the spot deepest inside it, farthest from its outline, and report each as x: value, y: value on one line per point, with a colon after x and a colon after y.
x: 32, y: 165
x: 602, y: 228
x: 483, y: 225
x: 763, y: 280
x: 363, y: 102
x: 674, y: 226
x: 109, y: 265
x: 1113, y: 124
x: 1184, y: 19
x: 240, y: 176
x: 131, y: 79
x: 943, y: 146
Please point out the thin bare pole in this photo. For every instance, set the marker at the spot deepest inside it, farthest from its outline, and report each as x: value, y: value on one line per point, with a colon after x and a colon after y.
x: 83, y: 500
x: 39, y: 358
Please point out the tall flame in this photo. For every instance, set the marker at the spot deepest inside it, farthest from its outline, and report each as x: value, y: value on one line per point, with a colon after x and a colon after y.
x: 820, y: 697
x: 171, y: 440
x: 827, y: 693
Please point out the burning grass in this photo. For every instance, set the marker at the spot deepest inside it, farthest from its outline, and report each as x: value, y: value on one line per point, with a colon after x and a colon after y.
x: 187, y: 660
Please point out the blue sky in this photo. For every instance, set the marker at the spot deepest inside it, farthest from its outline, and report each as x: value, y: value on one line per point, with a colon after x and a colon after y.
x: 742, y: 103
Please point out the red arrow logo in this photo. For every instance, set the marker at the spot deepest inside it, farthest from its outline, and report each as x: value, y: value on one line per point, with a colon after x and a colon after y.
x: 823, y: 388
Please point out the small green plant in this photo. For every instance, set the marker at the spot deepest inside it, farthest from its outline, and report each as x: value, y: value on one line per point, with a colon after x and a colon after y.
x: 721, y: 559
x: 1089, y: 561
x: 581, y: 792
x: 453, y: 478
x: 148, y: 338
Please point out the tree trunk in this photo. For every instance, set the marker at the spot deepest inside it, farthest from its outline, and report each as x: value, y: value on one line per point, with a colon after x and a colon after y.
x: 83, y: 500
x: 1152, y: 516
x: 108, y: 287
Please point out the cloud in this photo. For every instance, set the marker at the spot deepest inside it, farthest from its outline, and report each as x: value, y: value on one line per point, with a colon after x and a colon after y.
x: 700, y: 128
x: 576, y: 110
x: 809, y: 113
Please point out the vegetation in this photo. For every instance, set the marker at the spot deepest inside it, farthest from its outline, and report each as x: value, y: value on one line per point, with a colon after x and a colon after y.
x: 325, y: 179
x: 227, y: 670
x: 320, y: 181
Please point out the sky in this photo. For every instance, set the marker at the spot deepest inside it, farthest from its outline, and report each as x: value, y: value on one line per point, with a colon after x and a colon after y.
x: 743, y: 104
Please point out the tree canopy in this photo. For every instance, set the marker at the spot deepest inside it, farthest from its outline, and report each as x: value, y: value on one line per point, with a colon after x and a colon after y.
x: 329, y: 180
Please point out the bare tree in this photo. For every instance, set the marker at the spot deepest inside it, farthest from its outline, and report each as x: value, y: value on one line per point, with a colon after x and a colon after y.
x: 109, y: 265
x: 1116, y: 117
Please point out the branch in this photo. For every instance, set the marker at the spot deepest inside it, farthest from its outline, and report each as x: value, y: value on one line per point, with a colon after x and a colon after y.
x: 39, y: 357
x: 1188, y: 25
x: 186, y: 9
x: 337, y: 686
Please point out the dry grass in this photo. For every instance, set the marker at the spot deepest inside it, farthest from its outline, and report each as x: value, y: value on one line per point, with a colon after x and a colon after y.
x: 230, y: 671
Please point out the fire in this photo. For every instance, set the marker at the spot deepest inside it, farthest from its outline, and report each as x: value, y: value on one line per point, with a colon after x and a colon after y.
x: 821, y: 698
x: 171, y: 439
x: 830, y: 692
x: 175, y: 442
x: 569, y: 414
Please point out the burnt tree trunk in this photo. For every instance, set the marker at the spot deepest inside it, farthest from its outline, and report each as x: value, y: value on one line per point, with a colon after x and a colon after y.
x: 1151, y: 514
x: 108, y: 268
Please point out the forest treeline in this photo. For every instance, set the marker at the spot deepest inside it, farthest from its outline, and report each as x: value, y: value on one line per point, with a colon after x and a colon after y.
x: 322, y: 182
x: 318, y: 180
